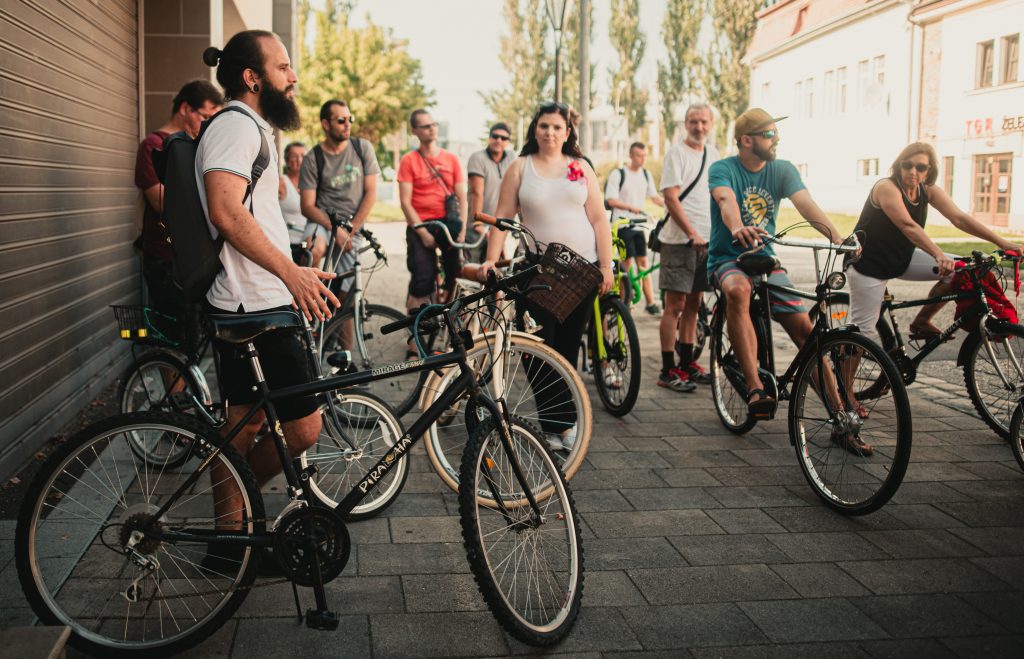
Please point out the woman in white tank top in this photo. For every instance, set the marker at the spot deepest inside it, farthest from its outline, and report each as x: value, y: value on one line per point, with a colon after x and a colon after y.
x: 289, y: 191
x: 556, y: 194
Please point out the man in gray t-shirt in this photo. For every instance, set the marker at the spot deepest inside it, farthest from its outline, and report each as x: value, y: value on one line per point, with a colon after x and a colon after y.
x: 485, y: 169
x: 347, y: 185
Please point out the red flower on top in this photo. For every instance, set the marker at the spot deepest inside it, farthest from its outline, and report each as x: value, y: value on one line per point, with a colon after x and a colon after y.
x: 575, y: 172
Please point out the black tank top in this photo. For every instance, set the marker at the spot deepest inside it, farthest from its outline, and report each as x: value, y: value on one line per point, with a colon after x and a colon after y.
x: 887, y: 251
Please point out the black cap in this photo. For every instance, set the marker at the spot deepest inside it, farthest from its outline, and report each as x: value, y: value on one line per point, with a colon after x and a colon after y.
x: 501, y: 125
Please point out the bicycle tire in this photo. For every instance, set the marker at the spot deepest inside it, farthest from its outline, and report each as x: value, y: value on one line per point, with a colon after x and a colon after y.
x: 728, y: 390
x: 623, y: 363
x: 991, y: 398
x: 497, y: 540
x: 143, y: 387
x: 850, y: 482
x: 373, y: 427
x: 399, y: 392
x: 1016, y: 440
x: 81, y: 500
x: 446, y: 442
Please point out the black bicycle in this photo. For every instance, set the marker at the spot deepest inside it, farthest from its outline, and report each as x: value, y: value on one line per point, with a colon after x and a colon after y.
x: 849, y: 415
x: 141, y: 559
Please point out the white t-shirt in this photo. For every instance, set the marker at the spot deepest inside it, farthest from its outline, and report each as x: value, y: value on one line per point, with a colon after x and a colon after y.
x: 231, y: 144
x: 681, y: 166
x: 632, y: 191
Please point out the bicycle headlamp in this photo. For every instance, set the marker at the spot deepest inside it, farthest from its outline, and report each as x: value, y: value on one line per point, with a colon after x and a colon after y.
x: 836, y: 281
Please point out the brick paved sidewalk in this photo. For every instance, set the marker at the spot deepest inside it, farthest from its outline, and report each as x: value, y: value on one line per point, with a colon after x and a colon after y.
x: 698, y: 543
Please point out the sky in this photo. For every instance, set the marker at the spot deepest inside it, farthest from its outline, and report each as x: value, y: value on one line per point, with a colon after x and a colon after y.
x: 458, y: 44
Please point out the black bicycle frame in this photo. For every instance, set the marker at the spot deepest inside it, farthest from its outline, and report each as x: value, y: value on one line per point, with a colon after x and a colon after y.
x: 979, y: 310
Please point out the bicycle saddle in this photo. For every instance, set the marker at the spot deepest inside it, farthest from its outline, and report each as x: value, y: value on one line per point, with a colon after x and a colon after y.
x: 757, y: 264
x: 243, y: 328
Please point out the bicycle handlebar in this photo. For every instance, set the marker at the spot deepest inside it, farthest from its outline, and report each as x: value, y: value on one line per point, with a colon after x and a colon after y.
x: 447, y: 233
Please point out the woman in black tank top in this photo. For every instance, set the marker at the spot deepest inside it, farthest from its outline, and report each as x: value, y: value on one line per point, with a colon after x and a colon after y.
x: 895, y: 244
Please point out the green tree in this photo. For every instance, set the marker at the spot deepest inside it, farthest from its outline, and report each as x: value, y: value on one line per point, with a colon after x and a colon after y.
x: 571, y: 56
x: 681, y: 74
x: 524, y: 57
x: 366, y: 67
x: 726, y: 77
x: 629, y: 43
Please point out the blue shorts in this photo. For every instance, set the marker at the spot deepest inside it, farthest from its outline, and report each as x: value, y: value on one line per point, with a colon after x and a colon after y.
x: 781, y: 303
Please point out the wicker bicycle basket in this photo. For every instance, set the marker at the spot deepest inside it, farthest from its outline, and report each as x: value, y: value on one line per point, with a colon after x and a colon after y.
x: 571, y: 277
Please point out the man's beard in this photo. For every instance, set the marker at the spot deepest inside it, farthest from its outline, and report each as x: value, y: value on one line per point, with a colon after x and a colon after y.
x: 278, y: 109
x: 764, y: 154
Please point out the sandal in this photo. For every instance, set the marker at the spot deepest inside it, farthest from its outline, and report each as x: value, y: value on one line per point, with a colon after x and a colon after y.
x: 861, y: 411
x: 923, y: 333
x: 853, y: 444
x: 763, y: 407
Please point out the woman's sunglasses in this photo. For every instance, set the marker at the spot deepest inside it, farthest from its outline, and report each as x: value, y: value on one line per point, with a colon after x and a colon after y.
x: 921, y: 167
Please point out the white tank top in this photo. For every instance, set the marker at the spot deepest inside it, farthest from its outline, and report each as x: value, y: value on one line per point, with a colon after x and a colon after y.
x: 290, y: 206
x: 552, y: 208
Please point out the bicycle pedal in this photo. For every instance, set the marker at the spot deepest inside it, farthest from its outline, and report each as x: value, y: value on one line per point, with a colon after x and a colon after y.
x: 321, y: 619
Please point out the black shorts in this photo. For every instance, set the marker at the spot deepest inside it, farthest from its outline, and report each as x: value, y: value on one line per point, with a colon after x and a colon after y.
x: 285, y: 362
x: 635, y: 241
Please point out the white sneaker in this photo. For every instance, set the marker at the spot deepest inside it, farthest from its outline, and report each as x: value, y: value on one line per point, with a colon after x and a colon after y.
x: 554, y: 441
x: 569, y: 439
x: 612, y: 378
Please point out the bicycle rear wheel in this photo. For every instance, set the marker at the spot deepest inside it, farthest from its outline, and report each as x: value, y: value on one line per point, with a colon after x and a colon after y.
x: 618, y: 376
x: 529, y: 570
x: 728, y: 388
x: 76, y: 524
x: 345, y: 451
x: 824, y: 423
x: 1016, y: 440
x: 994, y: 398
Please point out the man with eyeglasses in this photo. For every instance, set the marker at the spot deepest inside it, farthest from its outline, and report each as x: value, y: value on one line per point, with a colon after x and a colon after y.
x: 486, y: 168
x: 339, y: 174
x: 746, y: 190
x: 195, y: 102
x: 430, y: 179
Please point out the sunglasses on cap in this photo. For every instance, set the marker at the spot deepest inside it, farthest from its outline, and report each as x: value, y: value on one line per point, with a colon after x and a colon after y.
x: 552, y: 106
x: 499, y: 136
x: 921, y: 167
x: 766, y: 134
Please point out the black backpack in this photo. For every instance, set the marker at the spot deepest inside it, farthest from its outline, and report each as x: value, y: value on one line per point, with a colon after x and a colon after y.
x: 622, y: 179
x: 196, y: 255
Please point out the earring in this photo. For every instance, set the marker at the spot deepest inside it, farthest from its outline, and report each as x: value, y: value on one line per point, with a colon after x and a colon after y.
x: 255, y: 88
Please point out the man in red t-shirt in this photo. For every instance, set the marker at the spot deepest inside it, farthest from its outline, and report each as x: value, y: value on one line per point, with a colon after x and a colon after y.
x: 426, y: 177
x: 197, y: 101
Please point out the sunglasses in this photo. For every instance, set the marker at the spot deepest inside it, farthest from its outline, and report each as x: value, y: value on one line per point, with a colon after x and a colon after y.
x: 341, y: 121
x: 552, y: 106
x: 921, y: 167
x: 766, y: 134
x: 425, y: 126
x: 496, y: 136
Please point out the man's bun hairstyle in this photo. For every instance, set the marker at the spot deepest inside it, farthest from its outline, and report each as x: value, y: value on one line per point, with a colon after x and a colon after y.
x: 243, y: 51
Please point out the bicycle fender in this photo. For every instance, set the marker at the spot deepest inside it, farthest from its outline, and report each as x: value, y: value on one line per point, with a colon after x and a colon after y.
x: 204, y: 386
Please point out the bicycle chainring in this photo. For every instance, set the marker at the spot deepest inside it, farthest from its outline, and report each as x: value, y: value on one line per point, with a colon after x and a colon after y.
x: 322, y: 528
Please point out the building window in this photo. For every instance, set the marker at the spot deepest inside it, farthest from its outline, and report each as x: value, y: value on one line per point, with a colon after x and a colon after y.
x: 867, y: 167
x: 947, y: 174
x: 830, y: 92
x: 802, y: 169
x: 864, y: 79
x: 766, y: 91
x: 1010, y: 48
x: 809, y: 88
x: 878, y: 70
x: 798, y: 92
x: 841, y: 89
x: 983, y: 73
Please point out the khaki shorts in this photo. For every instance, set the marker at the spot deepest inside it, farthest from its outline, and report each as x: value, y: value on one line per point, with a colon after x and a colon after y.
x: 683, y: 269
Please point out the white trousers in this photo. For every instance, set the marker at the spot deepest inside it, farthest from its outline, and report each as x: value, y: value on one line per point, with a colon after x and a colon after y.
x: 866, y: 292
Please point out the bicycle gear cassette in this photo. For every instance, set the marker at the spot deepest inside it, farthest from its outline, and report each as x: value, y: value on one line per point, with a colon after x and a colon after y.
x: 325, y: 530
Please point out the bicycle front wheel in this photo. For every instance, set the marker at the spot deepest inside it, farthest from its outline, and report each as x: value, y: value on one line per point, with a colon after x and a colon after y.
x: 528, y: 568
x: 1016, y: 440
x: 618, y: 375
x: 995, y: 382
x: 349, y: 447
x: 853, y: 452
x: 728, y: 388
x: 399, y: 392
x: 86, y: 557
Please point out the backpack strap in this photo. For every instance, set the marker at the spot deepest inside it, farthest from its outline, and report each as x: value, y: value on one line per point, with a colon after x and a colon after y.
x: 262, y: 158
x: 318, y: 156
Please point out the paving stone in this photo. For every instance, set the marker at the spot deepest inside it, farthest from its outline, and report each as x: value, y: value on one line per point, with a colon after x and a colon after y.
x: 925, y: 492
x: 922, y: 516
x: 433, y: 558
x: 435, y: 634
x: 931, y: 454
x: 653, y: 444
x: 218, y: 645
x: 772, y: 457
x: 686, y: 477
x: 426, y: 529
x: 744, y: 520
x: 999, y: 452
x: 290, y: 638
x: 818, y: 547
x: 702, y: 458
x: 628, y: 460
x: 602, y: 629
x: 928, y: 575
x: 694, y: 625
x: 819, y: 518
x: 624, y: 553
x: 835, y: 650
x: 996, y: 471
x: 727, y: 549
x: 1009, y: 570
x: 762, y: 496
x: 350, y: 595
x: 819, y: 580
x: 811, y: 620
x: 614, y: 479
x: 983, y: 513
x: 668, y: 498
x: 937, y: 471
x: 722, y: 583
x: 787, y: 475
x: 998, y: 541
x: 601, y: 500
x: 990, y: 647
x: 411, y: 504
x: 922, y: 616
x: 989, y: 489
x: 1004, y: 608
x: 370, y: 531
x: 605, y: 588
x: 921, y: 543
x: 646, y: 523
x: 899, y: 648
x: 444, y: 593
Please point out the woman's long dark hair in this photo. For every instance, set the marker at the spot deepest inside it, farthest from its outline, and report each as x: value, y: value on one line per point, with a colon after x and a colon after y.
x: 571, y: 147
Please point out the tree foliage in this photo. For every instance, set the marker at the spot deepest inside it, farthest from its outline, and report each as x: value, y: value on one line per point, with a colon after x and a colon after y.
x: 524, y: 57
x: 629, y: 43
x: 681, y: 75
x: 726, y: 76
x: 366, y: 67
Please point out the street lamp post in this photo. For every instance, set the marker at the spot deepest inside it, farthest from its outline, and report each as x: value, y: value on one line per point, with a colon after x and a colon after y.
x: 556, y: 10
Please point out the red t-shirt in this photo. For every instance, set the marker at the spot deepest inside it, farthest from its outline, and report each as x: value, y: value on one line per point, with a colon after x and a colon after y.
x: 155, y: 242
x: 427, y: 192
